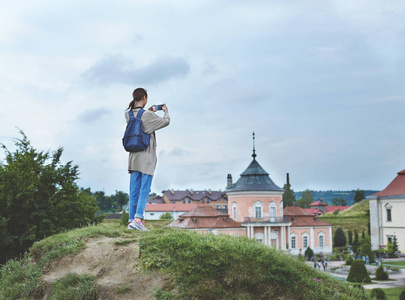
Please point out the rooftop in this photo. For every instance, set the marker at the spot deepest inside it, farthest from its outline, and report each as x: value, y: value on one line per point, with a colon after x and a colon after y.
x: 395, y: 188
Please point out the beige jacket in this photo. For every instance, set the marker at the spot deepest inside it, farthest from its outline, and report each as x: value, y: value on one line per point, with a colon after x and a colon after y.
x: 145, y: 161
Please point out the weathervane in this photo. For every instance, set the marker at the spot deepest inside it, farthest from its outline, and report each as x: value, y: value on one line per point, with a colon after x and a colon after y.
x: 254, y: 151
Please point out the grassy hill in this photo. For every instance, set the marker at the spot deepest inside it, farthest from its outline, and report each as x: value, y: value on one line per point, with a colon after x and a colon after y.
x: 108, y: 261
x: 354, y: 218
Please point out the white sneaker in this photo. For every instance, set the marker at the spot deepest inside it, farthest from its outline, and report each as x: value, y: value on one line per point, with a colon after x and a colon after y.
x: 137, y: 226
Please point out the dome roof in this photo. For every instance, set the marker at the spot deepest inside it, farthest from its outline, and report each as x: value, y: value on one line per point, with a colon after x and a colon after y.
x: 254, y: 178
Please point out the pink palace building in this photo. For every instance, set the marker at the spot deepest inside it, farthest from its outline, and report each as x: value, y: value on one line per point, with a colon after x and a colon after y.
x: 255, y: 202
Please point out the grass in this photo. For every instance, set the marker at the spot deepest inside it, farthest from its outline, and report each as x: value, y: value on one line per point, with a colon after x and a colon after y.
x: 353, y: 218
x: 393, y: 293
x: 398, y: 264
x: 225, y: 267
x: 75, y: 287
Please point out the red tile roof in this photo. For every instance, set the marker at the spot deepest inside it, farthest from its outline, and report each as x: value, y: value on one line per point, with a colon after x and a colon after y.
x: 204, y: 217
x: 395, y: 188
x: 302, y: 217
x: 295, y: 211
x: 317, y: 203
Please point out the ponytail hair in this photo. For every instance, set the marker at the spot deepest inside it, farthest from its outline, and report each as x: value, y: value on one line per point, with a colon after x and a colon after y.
x: 137, y: 95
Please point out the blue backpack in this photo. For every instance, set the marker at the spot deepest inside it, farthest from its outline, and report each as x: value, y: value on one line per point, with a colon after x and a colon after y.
x: 135, y: 139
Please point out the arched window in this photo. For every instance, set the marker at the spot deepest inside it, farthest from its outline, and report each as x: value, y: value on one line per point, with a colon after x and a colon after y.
x: 234, y: 210
x: 258, y: 206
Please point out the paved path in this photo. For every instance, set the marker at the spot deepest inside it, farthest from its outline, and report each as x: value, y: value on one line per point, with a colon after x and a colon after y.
x: 400, y: 277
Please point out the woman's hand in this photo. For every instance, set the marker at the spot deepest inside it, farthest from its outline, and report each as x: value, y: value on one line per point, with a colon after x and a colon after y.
x: 164, y: 107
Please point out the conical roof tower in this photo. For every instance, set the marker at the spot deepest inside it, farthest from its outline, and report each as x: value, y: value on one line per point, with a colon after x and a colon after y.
x: 254, y: 178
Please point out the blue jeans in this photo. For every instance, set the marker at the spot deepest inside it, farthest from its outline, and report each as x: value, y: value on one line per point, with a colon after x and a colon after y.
x: 139, y: 189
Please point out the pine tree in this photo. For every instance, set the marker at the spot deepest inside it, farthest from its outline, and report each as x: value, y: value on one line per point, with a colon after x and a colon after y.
x: 288, y: 196
x: 339, y: 240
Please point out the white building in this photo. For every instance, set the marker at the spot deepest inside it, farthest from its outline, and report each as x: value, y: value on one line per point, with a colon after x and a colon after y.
x: 154, y: 211
x: 387, y: 209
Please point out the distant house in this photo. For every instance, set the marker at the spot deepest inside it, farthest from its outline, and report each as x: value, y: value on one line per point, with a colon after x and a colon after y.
x: 156, y: 200
x: 215, y: 199
x: 319, y: 208
x: 387, y: 209
x: 154, y: 211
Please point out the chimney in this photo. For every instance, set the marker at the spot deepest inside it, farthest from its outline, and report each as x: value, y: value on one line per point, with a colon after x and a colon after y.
x: 288, y: 179
x: 229, y: 182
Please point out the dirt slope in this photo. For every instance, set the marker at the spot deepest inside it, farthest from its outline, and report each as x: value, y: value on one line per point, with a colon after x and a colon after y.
x: 114, y: 266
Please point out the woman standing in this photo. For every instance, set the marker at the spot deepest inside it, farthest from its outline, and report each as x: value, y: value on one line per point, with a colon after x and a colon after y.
x: 141, y: 165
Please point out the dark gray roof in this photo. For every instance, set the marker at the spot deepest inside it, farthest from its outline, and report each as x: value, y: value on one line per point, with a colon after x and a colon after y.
x: 254, y: 178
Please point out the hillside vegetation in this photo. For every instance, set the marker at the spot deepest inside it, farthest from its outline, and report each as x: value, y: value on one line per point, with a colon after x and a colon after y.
x: 108, y: 261
x: 354, y: 218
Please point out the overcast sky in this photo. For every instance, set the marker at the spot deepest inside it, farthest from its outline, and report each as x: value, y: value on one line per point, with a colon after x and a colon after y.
x: 321, y: 83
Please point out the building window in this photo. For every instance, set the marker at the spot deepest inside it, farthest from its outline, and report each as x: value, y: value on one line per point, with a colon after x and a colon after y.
x: 203, y: 200
x: 321, y: 241
x: 208, y: 200
x: 225, y: 206
x: 259, y: 241
x: 258, y: 212
x: 174, y: 201
x: 184, y: 200
x: 305, y: 241
x: 218, y: 206
x: 389, y: 219
x: 151, y: 214
x: 273, y: 210
x: 234, y: 210
x: 389, y: 239
x: 189, y: 200
x: 293, y: 245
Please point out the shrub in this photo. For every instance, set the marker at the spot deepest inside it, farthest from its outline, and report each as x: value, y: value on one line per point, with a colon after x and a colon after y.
x: 336, y: 212
x: 402, y: 296
x: 339, y: 240
x: 358, y: 272
x: 166, y: 216
x: 366, y: 251
x: 125, y: 218
x: 309, y: 253
x: 378, y: 294
x: 380, y: 274
x: 349, y: 260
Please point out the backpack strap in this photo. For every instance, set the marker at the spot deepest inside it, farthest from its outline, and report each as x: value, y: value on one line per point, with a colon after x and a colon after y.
x: 131, y: 114
x: 140, y: 113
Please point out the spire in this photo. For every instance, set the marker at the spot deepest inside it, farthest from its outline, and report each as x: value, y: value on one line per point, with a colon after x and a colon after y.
x: 254, y: 151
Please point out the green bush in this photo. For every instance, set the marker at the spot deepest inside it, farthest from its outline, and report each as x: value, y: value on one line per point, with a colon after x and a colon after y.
x: 380, y: 274
x: 358, y: 272
x: 309, y: 253
x: 378, y: 294
x: 166, y: 216
x: 366, y: 251
x: 402, y: 296
x: 349, y: 260
x: 124, y: 218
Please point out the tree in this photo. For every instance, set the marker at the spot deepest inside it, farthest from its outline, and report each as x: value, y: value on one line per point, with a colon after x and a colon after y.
x: 356, y: 243
x: 350, y: 234
x: 306, y: 199
x: 309, y: 253
x: 339, y: 240
x: 339, y: 201
x: 359, y: 195
x: 394, y: 244
x: 288, y: 196
x: 38, y: 197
